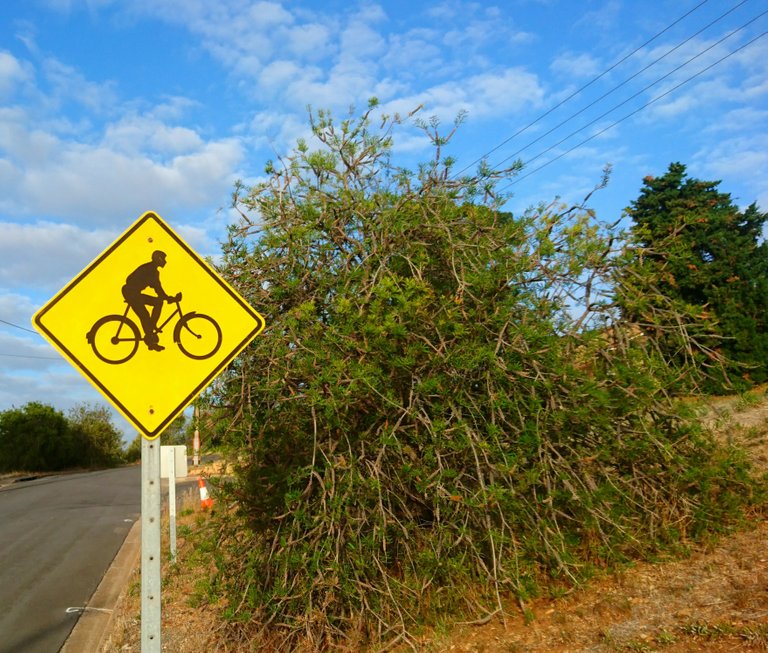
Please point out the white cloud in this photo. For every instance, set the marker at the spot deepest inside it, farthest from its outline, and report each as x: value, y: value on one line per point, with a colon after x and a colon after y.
x: 484, y: 96
x: 605, y: 18
x: 755, y: 88
x: 300, y: 56
x: 670, y: 107
x: 137, y: 134
x: 18, y: 310
x: 172, y: 108
x: 23, y: 353
x: 68, y: 84
x: 10, y: 178
x: 359, y: 41
x: 740, y: 158
x: 44, y: 256
x: 275, y: 132
x: 138, y: 163
x: 472, y: 36
x: 414, y: 53
x: 47, y: 379
x: 281, y: 73
x: 310, y: 41
x: 738, y: 119
x: 242, y: 35
x: 70, y: 5
x: 340, y: 87
x: 576, y: 65
x: 95, y: 184
x: 27, y: 146
x: 12, y: 73
x: 92, y: 173
x: 199, y: 238
x: 267, y: 15
x: 697, y: 60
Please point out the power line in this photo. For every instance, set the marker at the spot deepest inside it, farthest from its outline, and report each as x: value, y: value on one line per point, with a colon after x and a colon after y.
x: 641, y: 91
x: 629, y: 79
x: 19, y: 327
x: 47, y: 358
x: 587, y: 85
x: 636, y: 111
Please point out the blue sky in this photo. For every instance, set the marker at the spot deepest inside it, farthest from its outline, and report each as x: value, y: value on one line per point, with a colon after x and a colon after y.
x: 110, y: 108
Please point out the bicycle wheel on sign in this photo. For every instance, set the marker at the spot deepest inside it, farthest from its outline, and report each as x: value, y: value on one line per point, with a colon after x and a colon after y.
x: 197, y: 335
x: 114, y: 339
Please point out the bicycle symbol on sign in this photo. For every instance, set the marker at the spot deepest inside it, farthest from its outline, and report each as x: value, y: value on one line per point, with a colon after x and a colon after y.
x: 115, y: 338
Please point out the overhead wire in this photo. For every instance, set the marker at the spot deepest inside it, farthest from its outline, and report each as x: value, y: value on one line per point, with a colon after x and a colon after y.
x: 630, y: 78
x: 47, y: 358
x: 636, y: 111
x: 644, y: 89
x: 19, y: 327
x: 584, y: 87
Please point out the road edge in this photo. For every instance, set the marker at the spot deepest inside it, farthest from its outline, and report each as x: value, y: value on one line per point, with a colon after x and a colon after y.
x: 93, y: 625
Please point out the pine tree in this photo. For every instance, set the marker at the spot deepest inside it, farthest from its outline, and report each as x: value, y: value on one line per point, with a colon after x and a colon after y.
x: 696, y: 247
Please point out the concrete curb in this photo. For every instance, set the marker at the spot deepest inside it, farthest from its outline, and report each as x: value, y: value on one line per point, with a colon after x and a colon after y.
x: 92, y: 627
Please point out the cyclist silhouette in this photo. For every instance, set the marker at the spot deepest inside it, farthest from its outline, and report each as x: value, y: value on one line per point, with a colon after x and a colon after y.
x: 147, y: 275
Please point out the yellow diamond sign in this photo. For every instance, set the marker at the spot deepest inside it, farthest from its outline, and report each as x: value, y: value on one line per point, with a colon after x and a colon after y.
x: 149, y: 323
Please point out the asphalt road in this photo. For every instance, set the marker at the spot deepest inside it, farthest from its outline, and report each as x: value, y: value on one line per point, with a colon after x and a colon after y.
x: 58, y: 535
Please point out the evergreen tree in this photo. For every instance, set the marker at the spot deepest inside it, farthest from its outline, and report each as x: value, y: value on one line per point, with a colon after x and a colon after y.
x: 697, y: 248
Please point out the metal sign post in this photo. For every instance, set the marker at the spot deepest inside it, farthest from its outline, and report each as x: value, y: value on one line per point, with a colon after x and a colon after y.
x: 150, y: 546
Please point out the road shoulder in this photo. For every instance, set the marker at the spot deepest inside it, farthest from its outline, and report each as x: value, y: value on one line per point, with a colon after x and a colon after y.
x: 96, y: 620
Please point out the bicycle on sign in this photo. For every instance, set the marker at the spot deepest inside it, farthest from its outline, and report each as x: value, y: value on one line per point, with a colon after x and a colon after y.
x: 115, y: 338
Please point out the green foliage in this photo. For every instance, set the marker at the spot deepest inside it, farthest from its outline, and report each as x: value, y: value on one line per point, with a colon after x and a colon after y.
x: 696, y: 248
x: 444, y: 409
x: 133, y: 452
x: 100, y: 443
x: 37, y: 437
x: 179, y: 432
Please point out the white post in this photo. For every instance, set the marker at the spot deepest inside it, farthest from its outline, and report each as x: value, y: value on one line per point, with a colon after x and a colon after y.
x: 196, y: 440
x: 150, y: 546
x: 173, y: 463
x: 171, y: 453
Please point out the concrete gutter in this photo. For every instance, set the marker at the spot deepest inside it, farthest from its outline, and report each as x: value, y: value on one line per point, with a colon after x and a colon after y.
x: 93, y: 626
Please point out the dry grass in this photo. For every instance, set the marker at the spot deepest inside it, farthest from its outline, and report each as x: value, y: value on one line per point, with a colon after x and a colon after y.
x: 187, y: 626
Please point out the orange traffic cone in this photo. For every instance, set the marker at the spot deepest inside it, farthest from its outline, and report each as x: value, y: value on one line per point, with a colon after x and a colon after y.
x: 205, y: 500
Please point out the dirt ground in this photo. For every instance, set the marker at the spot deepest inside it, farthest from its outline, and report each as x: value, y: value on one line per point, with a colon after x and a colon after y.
x: 714, y: 601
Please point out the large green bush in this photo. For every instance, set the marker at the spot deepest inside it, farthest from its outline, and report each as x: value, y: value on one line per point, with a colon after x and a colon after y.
x: 38, y: 438
x: 443, y: 411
